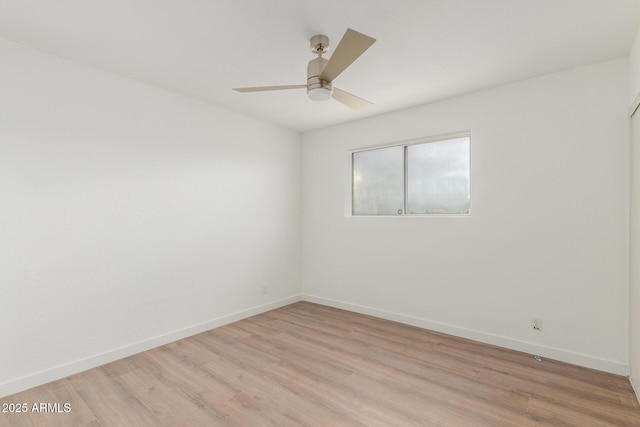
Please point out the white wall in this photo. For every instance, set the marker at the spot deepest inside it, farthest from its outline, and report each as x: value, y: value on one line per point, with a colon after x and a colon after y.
x: 548, y: 234
x: 634, y: 291
x: 131, y: 217
x: 634, y: 70
x: 634, y: 281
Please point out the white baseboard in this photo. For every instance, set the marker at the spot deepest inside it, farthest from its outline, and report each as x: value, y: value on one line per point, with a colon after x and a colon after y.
x: 20, y: 384
x: 592, y: 362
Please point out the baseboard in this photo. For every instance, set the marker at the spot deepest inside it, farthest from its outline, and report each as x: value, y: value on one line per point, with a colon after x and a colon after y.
x: 58, y: 372
x: 510, y: 343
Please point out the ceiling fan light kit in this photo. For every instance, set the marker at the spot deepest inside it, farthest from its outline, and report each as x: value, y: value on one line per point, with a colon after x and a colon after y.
x: 321, y: 71
x: 319, y: 93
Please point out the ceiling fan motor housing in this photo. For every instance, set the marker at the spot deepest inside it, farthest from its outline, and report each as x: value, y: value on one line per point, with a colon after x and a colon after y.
x: 317, y: 89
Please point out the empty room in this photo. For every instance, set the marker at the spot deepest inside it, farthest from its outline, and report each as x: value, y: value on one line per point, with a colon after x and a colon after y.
x: 346, y: 213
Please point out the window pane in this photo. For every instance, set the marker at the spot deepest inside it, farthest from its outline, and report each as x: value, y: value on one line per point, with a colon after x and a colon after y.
x: 378, y: 181
x: 438, y: 177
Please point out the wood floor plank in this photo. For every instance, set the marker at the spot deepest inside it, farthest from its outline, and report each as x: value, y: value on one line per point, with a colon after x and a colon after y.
x: 455, y: 392
x: 335, y: 396
x: 111, y: 402
x: 311, y: 365
x: 285, y: 407
x: 170, y: 405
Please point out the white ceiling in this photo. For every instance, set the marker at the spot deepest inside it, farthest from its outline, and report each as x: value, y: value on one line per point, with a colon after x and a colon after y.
x: 426, y: 49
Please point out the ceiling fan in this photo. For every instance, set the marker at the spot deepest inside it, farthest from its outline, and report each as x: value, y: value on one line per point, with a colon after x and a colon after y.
x: 321, y: 71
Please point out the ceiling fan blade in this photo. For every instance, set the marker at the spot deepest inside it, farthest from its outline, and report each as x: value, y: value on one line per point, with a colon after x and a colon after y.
x: 352, y: 45
x: 351, y: 101
x: 266, y: 88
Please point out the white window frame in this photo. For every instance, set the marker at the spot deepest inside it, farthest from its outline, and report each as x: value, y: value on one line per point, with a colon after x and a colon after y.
x: 406, y: 143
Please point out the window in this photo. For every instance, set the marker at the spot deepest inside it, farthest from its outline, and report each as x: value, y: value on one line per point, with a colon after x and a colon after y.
x: 420, y: 178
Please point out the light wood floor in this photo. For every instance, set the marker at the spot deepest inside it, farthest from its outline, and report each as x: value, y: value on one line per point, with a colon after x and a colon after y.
x: 311, y: 365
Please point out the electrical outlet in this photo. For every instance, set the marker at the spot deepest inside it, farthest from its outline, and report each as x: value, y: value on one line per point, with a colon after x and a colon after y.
x: 265, y: 288
x: 536, y: 324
